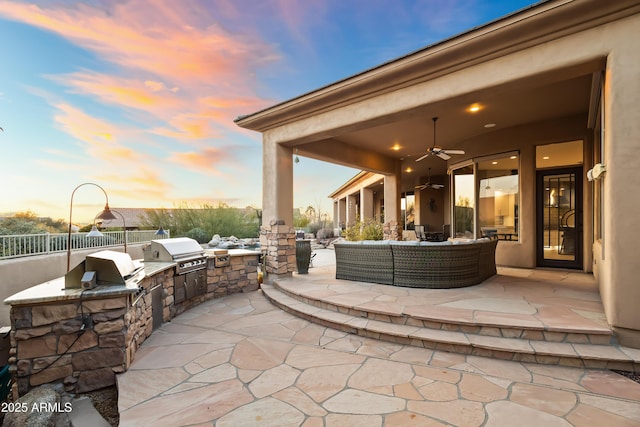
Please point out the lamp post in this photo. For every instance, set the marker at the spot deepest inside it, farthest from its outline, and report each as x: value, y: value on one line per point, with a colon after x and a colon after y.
x: 105, y: 214
x: 124, y: 227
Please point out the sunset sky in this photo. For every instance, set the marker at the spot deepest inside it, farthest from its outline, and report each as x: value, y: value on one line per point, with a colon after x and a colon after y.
x: 139, y: 96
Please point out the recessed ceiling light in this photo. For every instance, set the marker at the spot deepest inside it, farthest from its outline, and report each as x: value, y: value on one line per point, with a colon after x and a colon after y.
x: 545, y: 158
x: 474, y: 108
x: 490, y: 125
x: 513, y: 157
x: 396, y: 147
x: 494, y: 163
x: 408, y: 170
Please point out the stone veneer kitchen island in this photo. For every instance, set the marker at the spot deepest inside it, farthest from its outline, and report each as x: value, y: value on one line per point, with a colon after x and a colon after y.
x: 83, y: 338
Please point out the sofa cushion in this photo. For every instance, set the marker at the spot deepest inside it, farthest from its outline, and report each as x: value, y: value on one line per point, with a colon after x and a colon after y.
x: 375, y: 242
x: 406, y: 242
x: 444, y: 243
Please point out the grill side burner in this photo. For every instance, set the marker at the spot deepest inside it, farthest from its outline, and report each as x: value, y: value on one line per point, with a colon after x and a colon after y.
x: 221, y: 258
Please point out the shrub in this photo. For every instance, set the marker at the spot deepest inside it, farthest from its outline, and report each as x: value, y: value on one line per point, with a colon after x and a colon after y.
x: 198, y: 234
x: 324, y: 233
x: 221, y: 219
x: 369, y: 229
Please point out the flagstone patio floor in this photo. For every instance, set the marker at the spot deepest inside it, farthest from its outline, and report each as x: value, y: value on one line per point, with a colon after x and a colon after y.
x: 241, y: 361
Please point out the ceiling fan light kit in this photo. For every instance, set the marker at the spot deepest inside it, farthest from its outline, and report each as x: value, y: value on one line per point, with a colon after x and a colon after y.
x: 444, y: 154
x: 429, y: 184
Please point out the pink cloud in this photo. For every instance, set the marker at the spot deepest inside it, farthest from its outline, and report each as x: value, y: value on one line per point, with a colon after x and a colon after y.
x: 177, y: 58
x: 141, y: 184
x: 205, y: 161
x: 100, y: 137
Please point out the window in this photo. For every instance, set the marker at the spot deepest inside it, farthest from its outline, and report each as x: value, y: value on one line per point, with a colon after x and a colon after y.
x: 407, y: 210
x: 464, y: 202
x: 498, y: 197
x: 487, y: 191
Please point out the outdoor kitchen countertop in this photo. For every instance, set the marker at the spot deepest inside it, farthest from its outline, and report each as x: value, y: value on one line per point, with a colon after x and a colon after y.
x: 54, y: 290
x: 155, y: 267
x: 232, y: 252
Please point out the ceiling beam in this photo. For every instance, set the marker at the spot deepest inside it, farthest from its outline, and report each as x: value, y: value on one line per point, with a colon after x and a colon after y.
x: 334, y: 151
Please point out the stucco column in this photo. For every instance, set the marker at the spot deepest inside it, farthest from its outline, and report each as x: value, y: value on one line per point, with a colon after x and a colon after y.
x: 342, y: 212
x: 392, y: 207
x: 420, y: 207
x: 366, y: 203
x: 618, y: 263
x: 352, y: 212
x: 277, y: 235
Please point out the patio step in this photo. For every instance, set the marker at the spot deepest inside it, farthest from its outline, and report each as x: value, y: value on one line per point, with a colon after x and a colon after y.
x: 566, y: 348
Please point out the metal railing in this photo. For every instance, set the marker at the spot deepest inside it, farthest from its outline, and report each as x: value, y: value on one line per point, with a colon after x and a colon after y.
x: 21, y: 245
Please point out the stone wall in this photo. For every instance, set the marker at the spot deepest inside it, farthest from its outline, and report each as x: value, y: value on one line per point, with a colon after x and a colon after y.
x: 49, y: 343
x: 138, y: 320
x: 84, y: 343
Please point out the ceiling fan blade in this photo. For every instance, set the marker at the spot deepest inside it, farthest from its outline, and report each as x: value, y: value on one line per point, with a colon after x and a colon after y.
x: 423, y: 157
x: 443, y: 155
x: 437, y: 186
x: 421, y: 187
x: 453, y: 151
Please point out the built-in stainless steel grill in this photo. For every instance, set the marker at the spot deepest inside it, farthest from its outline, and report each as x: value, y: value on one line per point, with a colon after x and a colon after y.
x: 185, y: 252
x: 190, y: 279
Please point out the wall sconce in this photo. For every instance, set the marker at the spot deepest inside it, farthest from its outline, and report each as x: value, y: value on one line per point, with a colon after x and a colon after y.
x: 596, y: 172
x: 105, y: 214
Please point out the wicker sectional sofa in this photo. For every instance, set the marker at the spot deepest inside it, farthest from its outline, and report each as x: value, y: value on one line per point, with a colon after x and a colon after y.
x: 433, y: 265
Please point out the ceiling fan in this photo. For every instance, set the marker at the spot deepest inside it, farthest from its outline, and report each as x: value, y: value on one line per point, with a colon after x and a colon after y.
x: 437, y: 151
x: 429, y: 184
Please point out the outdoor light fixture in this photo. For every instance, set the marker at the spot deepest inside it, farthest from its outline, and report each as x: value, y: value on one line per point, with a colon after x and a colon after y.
x: 296, y: 159
x: 95, y: 232
x: 105, y: 214
x: 474, y: 108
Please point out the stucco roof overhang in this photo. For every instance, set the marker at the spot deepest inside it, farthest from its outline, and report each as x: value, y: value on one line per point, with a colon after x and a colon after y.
x: 526, y: 97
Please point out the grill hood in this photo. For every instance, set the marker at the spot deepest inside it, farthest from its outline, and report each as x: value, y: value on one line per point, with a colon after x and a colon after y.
x: 172, y: 249
x: 104, y: 268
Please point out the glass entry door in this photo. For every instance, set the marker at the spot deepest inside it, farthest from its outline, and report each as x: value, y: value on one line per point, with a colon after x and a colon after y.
x: 559, y: 215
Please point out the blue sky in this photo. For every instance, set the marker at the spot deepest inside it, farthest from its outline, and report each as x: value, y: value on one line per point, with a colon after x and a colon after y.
x: 139, y: 96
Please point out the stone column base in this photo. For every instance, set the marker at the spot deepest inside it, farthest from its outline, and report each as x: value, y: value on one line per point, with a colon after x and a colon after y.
x: 392, y: 231
x: 278, y: 243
